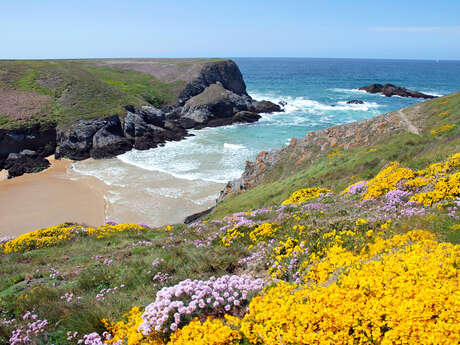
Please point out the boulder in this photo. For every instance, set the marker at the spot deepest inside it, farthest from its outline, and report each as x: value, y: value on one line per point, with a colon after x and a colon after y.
x: 266, y: 107
x: 355, y: 101
x: 245, y: 116
x: 27, y: 161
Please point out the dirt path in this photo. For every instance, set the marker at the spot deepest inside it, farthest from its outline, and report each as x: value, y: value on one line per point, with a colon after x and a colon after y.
x: 410, y: 126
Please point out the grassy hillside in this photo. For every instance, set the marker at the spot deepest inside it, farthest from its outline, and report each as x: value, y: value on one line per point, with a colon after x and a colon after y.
x: 439, y: 123
x: 337, y: 266
x: 330, y: 258
x: 66, y: 90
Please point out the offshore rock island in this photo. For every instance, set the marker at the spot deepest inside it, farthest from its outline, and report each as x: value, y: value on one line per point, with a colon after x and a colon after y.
x: 104, y: 107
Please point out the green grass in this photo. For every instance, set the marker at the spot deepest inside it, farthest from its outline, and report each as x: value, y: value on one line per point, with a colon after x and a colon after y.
x: 84, y: 275
x: 82, y: 89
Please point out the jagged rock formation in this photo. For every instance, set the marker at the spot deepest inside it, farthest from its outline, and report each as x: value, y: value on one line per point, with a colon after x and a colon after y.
x: 389, y: 90
x: 215, y: 96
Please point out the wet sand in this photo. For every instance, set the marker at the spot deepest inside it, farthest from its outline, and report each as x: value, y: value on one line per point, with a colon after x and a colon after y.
x: 47, y: 198
x: 155, y: 198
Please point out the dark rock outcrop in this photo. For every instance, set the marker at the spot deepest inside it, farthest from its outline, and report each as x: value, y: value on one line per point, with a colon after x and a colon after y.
x: 226, y: 72
x: 355, y: 101
x: 389, y: 90
x: 109, y: 141
x: 217, y: 97
x: 26, y: 161
x: 76, y: 141
x: 266, y: 107
x: 197, y: 216
x: 40, y: 138
x: 245, y: 117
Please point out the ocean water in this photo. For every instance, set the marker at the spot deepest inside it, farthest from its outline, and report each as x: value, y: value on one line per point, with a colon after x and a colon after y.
x: 316, y: 92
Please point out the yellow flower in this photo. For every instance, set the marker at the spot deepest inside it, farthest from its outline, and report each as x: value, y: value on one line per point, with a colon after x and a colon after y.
x: 303, y: 195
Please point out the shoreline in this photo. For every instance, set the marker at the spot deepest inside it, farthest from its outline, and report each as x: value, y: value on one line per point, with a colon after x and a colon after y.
x: 152, y: 197
x: 38, y: 200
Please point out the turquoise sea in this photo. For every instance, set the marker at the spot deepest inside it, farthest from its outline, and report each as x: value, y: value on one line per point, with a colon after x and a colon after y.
x: 316, y: 92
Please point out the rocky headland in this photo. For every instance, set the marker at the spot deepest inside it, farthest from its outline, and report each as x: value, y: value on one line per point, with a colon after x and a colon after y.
x: 183, y: 94
x: 390, y: 90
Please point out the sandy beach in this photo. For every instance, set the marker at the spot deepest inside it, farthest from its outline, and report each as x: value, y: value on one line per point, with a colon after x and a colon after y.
x: 138, y: 195
x: 34, y: 201
x: 123, y: 193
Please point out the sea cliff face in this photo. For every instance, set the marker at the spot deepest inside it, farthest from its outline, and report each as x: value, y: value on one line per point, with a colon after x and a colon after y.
x: 214, y: 96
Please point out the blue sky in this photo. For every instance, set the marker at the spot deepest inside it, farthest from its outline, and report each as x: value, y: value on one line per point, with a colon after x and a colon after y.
x: 233, y: 28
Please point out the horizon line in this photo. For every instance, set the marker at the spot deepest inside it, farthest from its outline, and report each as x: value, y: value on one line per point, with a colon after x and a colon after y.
x: 240, y: 57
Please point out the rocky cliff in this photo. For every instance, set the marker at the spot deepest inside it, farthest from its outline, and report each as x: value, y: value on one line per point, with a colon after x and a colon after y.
x: 333, y: 141
x: 214, y: 96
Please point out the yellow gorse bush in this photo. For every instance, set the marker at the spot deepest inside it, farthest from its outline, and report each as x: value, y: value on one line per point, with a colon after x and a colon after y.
x: 407, y: 294
x: 108, y: 229
x: 441, y: 181
x: 445, y: 113
x: 54, y: 235
x: 210, y: 332
x: 444, y: 188
x: 303, y: 195
x: 42, y: 238
x: 386, y: 180
x: 442, y: 129
x: 262, y: 232
x: 231, y: 235
x: 126, y: 331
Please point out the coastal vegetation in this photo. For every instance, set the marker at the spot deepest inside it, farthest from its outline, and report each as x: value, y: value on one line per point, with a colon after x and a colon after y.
x: 387, y: 246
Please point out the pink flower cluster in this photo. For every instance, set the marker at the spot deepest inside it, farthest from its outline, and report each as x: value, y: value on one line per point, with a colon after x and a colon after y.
x: 104, y: 292
x: 71, y: 335
x: 160, y: 277
x: 54, y: 273
x: 141, y: 243
x: 157, y: 261
x: 356, y: 188
x: 191, y: 297
x: 91, y: 339
x: 28, y: 333
x: 6, y: 239
x: 68, y: 297
x: 453, y: 211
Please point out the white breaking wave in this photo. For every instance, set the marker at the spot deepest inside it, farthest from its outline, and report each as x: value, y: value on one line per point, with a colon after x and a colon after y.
x: 201, y: 157
x: 348, y: 90
x: 303, y: 104
x: 433, y: 94
x: 234, y: 146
